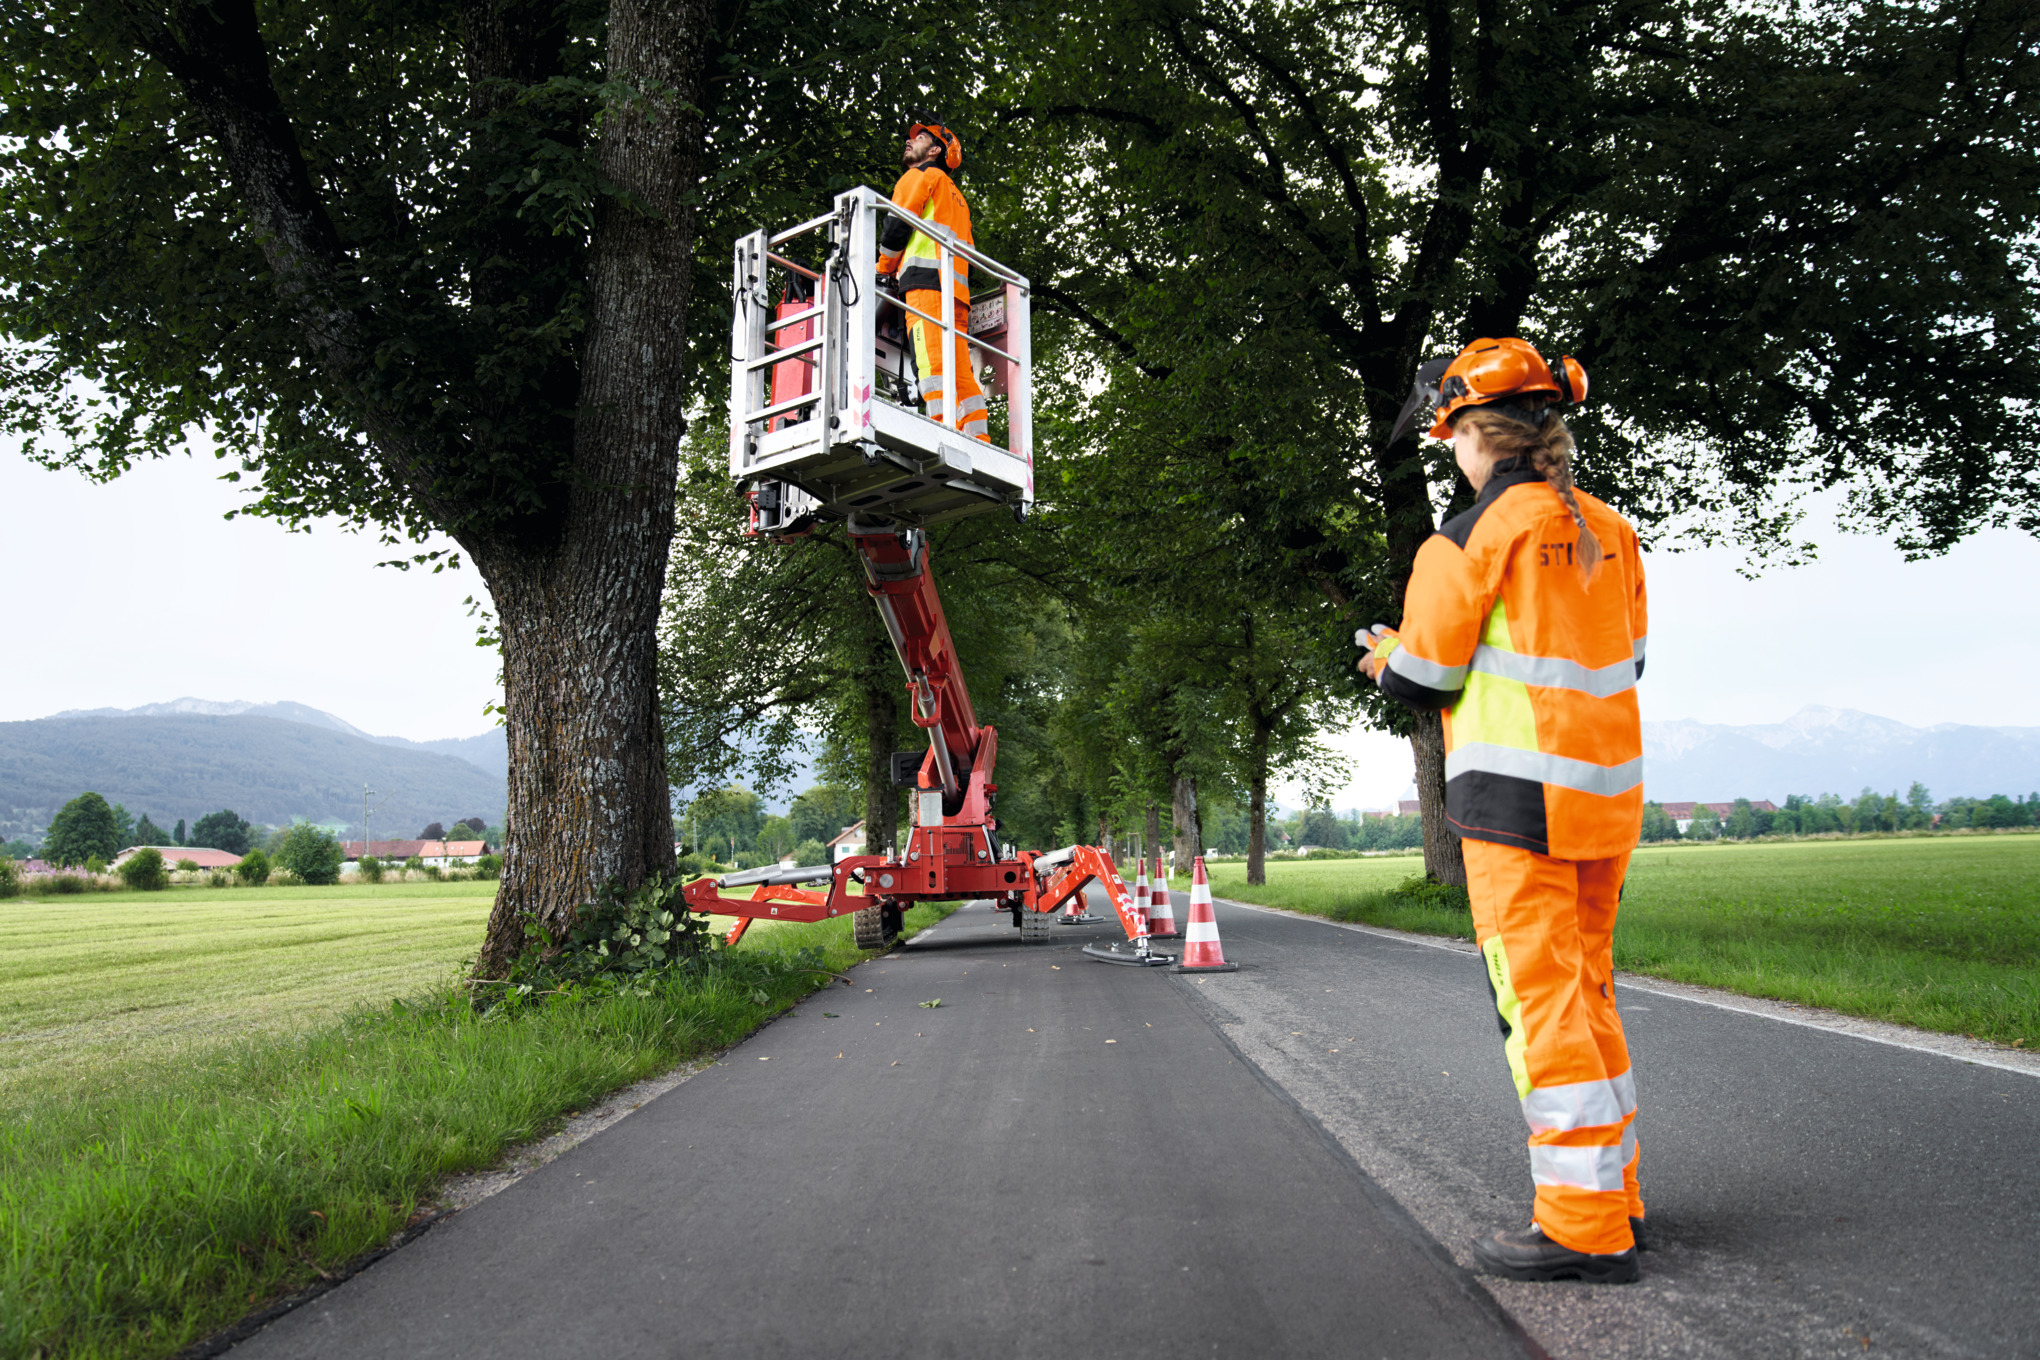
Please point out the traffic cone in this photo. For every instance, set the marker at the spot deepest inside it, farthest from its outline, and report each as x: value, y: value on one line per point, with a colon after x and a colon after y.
x: 1140, y: 887
x: 1161, y: 912
x: 1201, y: 952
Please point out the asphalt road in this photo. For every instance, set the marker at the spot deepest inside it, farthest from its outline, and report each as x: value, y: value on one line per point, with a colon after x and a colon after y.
x: 1068, y: 1158
x: 1064, y: 1159
x: 1809, y: 1193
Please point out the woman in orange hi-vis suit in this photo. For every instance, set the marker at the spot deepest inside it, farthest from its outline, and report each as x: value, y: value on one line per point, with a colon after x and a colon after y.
x: 1524, y: 622
x: 927, y: 191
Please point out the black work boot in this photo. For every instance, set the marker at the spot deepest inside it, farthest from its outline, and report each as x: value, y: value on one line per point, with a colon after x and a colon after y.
x: 1636, y: 1231
x: 1533, y: 1256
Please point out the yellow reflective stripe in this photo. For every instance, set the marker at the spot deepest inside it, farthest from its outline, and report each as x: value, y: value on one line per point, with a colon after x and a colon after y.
x: 1511, y: 1008
x: 1493, y: 710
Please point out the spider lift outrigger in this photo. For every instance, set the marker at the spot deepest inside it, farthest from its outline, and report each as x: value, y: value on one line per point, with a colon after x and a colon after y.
x: 822, y: 429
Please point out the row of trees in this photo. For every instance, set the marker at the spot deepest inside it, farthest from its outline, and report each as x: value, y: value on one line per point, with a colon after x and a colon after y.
x: 1247, y: 222
x: 88, y: 827
x: 1828, y: 814
x: 436, y: 269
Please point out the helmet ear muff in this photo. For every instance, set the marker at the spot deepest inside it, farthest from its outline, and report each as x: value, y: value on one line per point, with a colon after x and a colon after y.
x: 952, y: 145
x: 1571, y: 377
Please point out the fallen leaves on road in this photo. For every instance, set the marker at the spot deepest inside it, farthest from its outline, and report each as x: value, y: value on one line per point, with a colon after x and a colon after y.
x: 931, y: 1005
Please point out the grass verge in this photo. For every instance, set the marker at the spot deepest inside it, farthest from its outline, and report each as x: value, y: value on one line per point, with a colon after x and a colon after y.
x: 1942, y: 933
x: 153, y: 1204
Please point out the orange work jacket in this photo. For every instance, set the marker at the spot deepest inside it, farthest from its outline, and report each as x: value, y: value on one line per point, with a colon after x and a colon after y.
x: 1536, y: 672
x: 931, y: 195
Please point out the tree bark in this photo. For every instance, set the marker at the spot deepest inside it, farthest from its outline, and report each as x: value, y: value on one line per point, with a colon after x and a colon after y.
x: 882, y: 688
x: 1154, y: 828
x: 1444, y: 859
x: 589, y: 802
x: 1184, y: 820
x: 1257, y: 813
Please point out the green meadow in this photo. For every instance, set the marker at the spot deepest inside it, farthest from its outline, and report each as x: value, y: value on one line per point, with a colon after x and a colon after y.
x: 1942, y: 932
x: 93, y: 983
x: 212, y: 1097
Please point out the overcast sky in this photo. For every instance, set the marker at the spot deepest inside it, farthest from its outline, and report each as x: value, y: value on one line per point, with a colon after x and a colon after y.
x: 243, y: 610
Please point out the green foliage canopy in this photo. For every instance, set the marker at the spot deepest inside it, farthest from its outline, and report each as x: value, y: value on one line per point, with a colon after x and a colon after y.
x: 145, y: 871
x: 223, y: 830
x: 311, y: 853
x: 83, y: 829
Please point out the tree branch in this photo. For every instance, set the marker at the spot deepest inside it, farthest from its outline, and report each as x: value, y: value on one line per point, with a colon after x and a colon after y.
x: 1061, y: 301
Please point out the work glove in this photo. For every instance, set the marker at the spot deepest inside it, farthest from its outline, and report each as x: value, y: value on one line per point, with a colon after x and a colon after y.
x: 1372, y: 656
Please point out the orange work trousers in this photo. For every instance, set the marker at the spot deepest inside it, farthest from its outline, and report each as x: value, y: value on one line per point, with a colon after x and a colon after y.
x: 1546, y: 928
x: 938, y: 373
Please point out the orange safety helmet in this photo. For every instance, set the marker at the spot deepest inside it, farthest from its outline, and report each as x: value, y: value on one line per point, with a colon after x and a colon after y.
x: 1491, y: 372
x: 952, y: 144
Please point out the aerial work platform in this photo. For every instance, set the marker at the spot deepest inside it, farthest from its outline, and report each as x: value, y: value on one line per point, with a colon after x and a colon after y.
x: 824, y: 427
x: 823, y: 422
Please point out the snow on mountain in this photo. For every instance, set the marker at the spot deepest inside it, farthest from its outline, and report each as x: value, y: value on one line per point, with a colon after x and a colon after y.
x: 1835, y: 750
x: 229, y: 708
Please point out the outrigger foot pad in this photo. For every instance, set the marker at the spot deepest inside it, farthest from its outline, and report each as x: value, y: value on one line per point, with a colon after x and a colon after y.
x: 1106, y: 953
x: 1206, y: 968
x: 1085, y: 920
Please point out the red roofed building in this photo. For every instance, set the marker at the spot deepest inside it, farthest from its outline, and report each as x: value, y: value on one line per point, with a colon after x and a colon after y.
x: 441, y: 853
x: 197, y: 854
x: 849, y: 842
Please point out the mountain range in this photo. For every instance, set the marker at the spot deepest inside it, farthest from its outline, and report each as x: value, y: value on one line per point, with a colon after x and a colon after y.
x: 273, y: 762
x: 490, y: 750
x: 1835, y: 750
x: 268, y: 762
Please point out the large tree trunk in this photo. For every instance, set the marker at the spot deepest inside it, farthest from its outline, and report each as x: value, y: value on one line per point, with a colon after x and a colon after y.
x: 1184, y: 820
x: 1154, y: 828
x: 1257, y: 816
x: 1444, y: 860
x: 882, y: 689
x: 589, y: 802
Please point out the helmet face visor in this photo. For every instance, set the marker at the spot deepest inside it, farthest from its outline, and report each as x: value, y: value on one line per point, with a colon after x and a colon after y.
x: 1423, y: 397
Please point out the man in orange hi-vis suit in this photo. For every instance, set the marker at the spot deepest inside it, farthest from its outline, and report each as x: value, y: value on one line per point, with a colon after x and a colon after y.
x: 1524, y: 622
x: 927, y: 191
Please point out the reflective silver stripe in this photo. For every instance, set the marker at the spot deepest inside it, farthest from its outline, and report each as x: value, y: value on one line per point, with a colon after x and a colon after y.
x: 1625, y: 1091
x: 1583, y: 1168
x: 936, y: 384
x: 1555, y: 672
x: 1430, y: 674
x: 1576, y: 1105
x: 1628, y: 1148
x: 970, y: 406
x: 1638, y: 650
x: 1567, y: 773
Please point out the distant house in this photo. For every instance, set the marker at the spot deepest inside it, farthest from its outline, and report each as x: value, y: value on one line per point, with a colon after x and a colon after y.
x: 197, y: 854
x: 849, y: 842
x: 441, y: 853
x: 1409, y: 807
x: 1682, y: 814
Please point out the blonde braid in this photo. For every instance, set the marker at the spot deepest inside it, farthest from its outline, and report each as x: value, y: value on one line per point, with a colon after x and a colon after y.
x: 1548, y: 447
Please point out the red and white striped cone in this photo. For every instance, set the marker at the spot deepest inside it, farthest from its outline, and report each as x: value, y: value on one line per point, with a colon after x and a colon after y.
x: 1201, y: 951
x: 1161, y: 911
